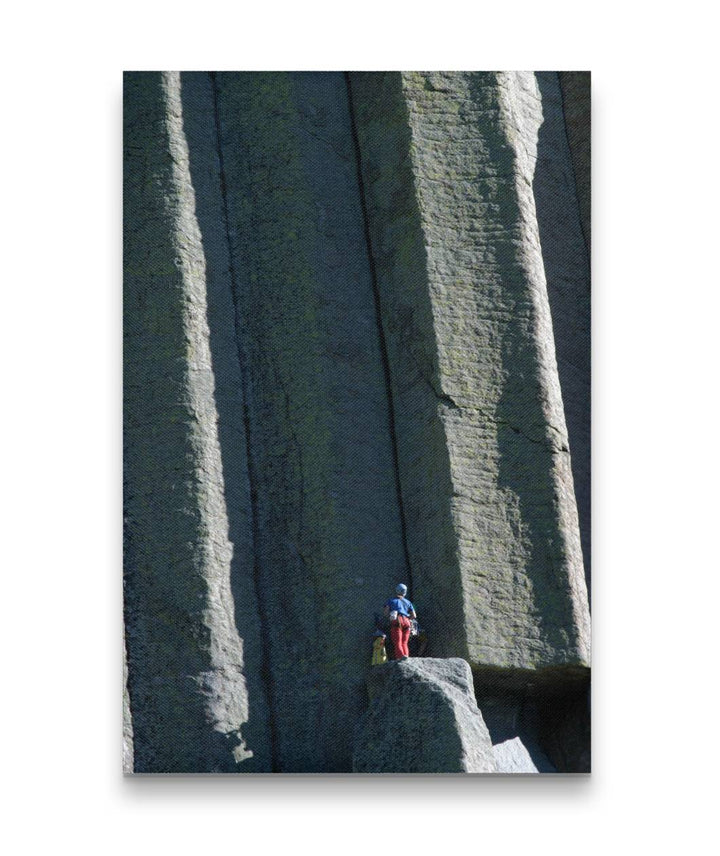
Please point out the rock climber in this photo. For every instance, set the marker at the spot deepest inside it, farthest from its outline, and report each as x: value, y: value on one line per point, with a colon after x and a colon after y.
x: 399, y: 611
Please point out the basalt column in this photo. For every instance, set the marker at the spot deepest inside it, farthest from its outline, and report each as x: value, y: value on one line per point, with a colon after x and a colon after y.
x: 328, y: 525
x: 492, y: 528
x: 194, y: 649
x: 562, y: 203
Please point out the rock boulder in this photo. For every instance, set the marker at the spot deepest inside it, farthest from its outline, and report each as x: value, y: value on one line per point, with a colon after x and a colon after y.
x: 511, y: 756
x: 423, y: 718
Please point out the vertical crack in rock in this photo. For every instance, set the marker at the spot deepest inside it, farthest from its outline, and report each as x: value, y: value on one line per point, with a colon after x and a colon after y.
x: 398, y: 244
x: 340, y: 367
x: 576, y: 179
x: 447, y: 163
x: 565, y: 254
x: 188, y: 690
x: 243, y: 362
x: 381, y: 332
x: 328, y: 527
x: 522, y: 120
x: 576, y: 106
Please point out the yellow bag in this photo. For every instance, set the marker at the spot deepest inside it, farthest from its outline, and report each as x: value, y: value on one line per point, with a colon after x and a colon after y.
x: 379, y: 654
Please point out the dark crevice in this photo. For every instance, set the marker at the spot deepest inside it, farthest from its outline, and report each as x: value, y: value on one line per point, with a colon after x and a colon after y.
x: 572, y: 166
x: 381, y: 332
x: 243, y: 363
x: 564, y: 229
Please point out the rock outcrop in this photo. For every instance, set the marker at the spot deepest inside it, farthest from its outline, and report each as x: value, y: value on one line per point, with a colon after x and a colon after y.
x: 356, y: 352
x: 423, y: 718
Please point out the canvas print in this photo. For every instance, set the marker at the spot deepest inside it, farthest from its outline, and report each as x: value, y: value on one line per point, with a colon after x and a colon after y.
x: 356, y: 422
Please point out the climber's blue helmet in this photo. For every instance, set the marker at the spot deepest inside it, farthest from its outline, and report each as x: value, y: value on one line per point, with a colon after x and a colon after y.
x: 401, y: 589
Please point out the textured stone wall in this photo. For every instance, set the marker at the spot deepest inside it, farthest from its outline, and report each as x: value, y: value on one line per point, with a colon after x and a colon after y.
x: 356, y: 310
x: 448, y: 165
x: 193, y: 636
x: 575, y: 86
x: 563, y: 217
x: 127, y: 745
x: 423, y: 718
x: 328, y: 534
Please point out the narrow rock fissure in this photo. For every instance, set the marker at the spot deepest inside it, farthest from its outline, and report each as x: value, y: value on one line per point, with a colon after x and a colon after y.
x: 572, y: 167
x: 242, y: 361
x: 381, y: 332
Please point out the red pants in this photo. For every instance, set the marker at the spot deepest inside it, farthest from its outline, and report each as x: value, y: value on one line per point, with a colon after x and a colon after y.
x: 400, y: 633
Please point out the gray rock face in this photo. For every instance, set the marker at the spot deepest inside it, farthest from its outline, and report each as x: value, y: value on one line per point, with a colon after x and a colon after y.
x: 512, y: 757
x: 566, y: 261
x: 356, y: 352
x: 275, y: 368
x: 127, y: 745
x: 575, y: 86
x: 423, y: 718
x: 448, y: 162
x: 192, y: 633
x: 328, y: 531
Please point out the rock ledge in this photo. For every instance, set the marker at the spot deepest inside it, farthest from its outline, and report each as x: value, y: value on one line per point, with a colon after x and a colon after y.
x: 423, y: 718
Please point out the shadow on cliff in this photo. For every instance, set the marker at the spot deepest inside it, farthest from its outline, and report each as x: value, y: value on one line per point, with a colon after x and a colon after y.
x: 525, y: 453
x: 544, y: 704
x: 162, y: 524
x: 567, y: 271
x: 553, y: 725
x: 199, y: 126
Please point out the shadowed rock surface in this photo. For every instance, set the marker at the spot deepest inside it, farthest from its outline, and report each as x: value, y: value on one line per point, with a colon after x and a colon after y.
x: 328, y: 532
x: 423, y: 718
x: 575, y: 86
x: 356, y: 352
x: 566, y: 261
x: 514, y: 720
x: 189, y: 629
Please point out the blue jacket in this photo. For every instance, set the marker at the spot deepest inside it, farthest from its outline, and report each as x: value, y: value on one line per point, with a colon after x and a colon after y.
x: 401, y: 605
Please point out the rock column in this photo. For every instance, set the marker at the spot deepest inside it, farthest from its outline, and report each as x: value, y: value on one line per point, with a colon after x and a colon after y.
x: 328, y: 528
x: 193, y: 637
x: 448, y: 162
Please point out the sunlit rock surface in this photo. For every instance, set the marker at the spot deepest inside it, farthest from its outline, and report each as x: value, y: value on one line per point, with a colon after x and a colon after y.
x: 356, y: 352
x: 423, y: 718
